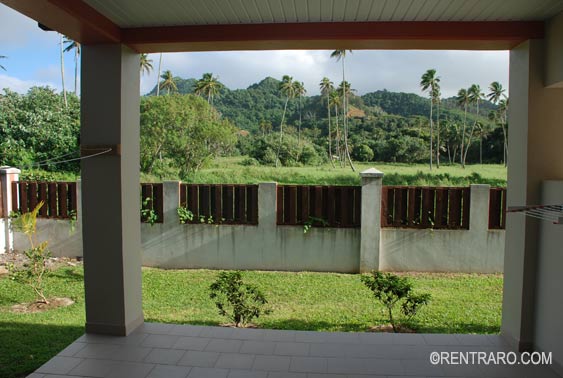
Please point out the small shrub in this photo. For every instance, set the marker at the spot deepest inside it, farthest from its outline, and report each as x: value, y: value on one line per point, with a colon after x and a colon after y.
x: 250, y: 162
x: 148, y: 215
x: 35, y: 269
x: 392, y: 290
x: 184, y: 215
x: 238, y: 301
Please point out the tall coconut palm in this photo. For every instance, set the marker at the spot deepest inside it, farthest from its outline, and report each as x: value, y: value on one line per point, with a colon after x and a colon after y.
x: 1, y: 66
x: 300, y: 91
x: 145, y: 64
x: 475, y: 96
x: 287, y: 88
x: 436, y: 99
x: 463, y: 100
x: 326, y: 86
x: 73, y: 45
x: 158, y: 75
x: 208, y: 86
x: 335, y: 101
x: 340, y: 55
x: 345, y: 90
x: 428, y: 82
x: 497, y: 95
x: 61, y: 45
x: 168, y: 82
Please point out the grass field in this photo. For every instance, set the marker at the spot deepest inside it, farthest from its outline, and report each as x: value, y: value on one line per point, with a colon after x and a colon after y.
x: 230, y: 170
x: 461, y: 303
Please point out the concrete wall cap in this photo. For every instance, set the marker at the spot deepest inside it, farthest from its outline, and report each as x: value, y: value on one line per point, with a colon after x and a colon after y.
x: 7, y: 170
x: 371, y: 172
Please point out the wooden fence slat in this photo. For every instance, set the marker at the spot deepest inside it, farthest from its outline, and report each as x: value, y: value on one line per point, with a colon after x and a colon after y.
x: 24, y: 204
x: 15, y: 196
x: 441, y: 209
x: 44, y: 211
x: 183, y: 195
x: 292, y: 205
x: 333, y: 212
x: 52, y: 195
x: 357, y: 206
x: 495, y: 197
x: 279, y: 205
x: 400, y: 211
x: 503, y: 210
x: 346, y: 208
x: 193, y: 201
x: 240, y: 204
x: 411, y: 207
x: 466, y: 202
x: 252, y: 204
x: 63, y: 199
x: 204, y: 197
x: 32, y: 195
x: 216, y: 203
x: 158, y: 201
x: 303, y: 197
x: 318, y: 209
x: 454, y: 214
x: 427, y: 215
x: 385, y: 206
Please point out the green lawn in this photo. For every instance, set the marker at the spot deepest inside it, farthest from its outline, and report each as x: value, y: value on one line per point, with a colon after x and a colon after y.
x: 461, y: 303
x: 230, y: 170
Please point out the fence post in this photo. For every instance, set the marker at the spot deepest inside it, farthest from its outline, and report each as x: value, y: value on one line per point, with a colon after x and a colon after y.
x: 371, y: 219
x: 479, y: 207
x: 7, y: 176
x: 267, y: 204
x: 170, y: 202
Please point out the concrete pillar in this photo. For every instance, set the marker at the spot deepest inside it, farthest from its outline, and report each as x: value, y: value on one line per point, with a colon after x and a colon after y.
x: 371, y: 219
x: 479, y: 208
x: 7, y: 176
x: 110, y: 189
x: 535, y: 138
x: 267, y: 193
x: 170, y: 202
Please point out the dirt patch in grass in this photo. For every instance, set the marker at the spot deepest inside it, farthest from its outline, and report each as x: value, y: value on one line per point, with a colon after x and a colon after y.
x: 33, y: 307
x: 388, y: 328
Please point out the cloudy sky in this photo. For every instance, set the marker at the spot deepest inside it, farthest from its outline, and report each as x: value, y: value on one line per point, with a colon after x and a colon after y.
x: 33, y: 59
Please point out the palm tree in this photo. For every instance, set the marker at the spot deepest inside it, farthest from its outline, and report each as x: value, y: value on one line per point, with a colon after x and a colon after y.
x: 168, y: 82
x: 498, y: 97
x: 475, y: 96
x: 73, y: 45
x: 300, y: 91
x: 145, y: 64
x: 340, y: 55
x: 3, y: 57
x: 158, y: 76
x: 345, y: 90
x: 287, y: 88
x: 463, y: 100
x: 326, y: 86
x: 335, y: 101
x: 436, y: 98
x: 429, y: 82
x: 208, y: 86
x: 63, y: 68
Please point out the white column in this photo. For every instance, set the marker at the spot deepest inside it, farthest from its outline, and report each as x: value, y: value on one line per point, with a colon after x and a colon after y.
x: 7, y: 176
x: 479, y: 207
x: 371, y: 219
x: 110, y: 189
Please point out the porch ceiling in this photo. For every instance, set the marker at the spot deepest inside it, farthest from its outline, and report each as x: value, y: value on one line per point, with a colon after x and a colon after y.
x: 214, y: 25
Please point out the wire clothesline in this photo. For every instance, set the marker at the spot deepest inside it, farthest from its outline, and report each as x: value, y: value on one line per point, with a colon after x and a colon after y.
x: 51, y: 162
x: 551, y: 213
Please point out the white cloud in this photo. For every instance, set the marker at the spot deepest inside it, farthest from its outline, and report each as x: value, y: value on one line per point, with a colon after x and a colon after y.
x: 22, y: 86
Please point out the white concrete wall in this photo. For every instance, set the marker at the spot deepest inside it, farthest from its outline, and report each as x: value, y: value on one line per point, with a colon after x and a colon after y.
x: 271, y: 247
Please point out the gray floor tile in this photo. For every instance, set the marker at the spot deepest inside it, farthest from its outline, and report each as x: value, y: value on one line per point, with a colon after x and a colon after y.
x: 472, y: 340
x: 236, y: 373
x: 191, y: 343
x: 310, y: 337
x: 217, y: 332
x: 279, y: 374
x: 169, y: 371
x: 155, y: 328
x: 292, y: 349
x: 133, y: 339
x: 235, y: 361
x: 319, y: 375
x: 432, y: 339
x: 114, y: 352
x: 248, y: 334
x: 279, y: 335
x: 328, y: 350
x: 383, y: 367
x: 94, y: 368
x: 258, y: 347
x: 308, y: 365
x: 160, y: 341
x: 186, y: 330
x: 199, y: 372
x: 421, y: 367
x: 35, y: 375
x: 131, y: 370
x: 199, y: 359
x: 408, y: 339
x: 71, y: 350
x: 59, y: 365
x: 165, y: 356
x: 271, y: 363
x: 224, y: 346
x: 379, y: 338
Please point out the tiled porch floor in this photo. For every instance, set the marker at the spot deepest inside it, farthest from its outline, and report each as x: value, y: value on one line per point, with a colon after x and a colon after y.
x: 179, y: 351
